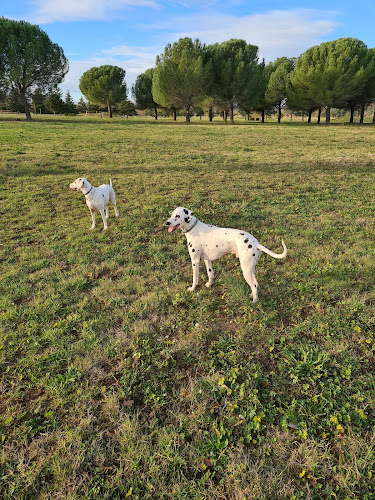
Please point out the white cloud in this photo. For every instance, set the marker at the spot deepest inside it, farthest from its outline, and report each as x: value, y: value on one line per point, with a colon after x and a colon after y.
x: 276, y: 33
x: 47, y: 11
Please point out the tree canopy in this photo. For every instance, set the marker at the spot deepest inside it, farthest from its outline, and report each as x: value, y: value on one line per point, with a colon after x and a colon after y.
x: 333, y: 73
x: 142, y: 92
x: 29, y: 60
x: 236, y: 74
x: 181, y: 77
x: 278, y: 83
x: 104, y: 85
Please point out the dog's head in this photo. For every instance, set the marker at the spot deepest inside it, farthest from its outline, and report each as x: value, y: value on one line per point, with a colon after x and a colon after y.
x: 181, y: 217
x: 79, y: 184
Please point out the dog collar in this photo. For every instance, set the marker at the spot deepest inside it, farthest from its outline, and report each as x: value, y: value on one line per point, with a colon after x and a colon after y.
x: 190, y: 228
x: 89, y: 191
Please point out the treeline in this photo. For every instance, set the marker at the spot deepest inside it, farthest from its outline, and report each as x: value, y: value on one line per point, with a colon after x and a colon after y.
x: 190, y: 77
x: 53, y: 102
x: 228, y: 76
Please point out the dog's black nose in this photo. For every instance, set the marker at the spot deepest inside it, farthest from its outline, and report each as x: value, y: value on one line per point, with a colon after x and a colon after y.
x: 168, y: 223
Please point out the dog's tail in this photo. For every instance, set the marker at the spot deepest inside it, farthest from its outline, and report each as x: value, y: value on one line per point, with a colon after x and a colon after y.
x: 110, y: 182
x: 274, y: 255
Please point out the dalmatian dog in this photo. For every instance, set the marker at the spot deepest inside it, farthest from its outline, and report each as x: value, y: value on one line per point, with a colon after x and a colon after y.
x: 210, y: 242
x: 97, y: 198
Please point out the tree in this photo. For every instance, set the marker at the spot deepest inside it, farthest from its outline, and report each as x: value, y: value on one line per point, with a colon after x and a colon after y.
x: 279, y: 80
x: 104, y: 85
x: 70, y: 106
x: 54, y: 102
x: 333, y: 73
x: 81, y: 106
x: 29, y: 60
x: 181, y: 77
x: 37, y: 102
x: 235, y: 74
x: 142, y: 92
x: 367, y: 96
x: 127, y: 108
x: 298, y: 98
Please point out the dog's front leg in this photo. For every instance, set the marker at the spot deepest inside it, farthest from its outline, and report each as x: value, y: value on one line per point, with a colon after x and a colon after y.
x: 93, y: 218
x: 210, y: 273
x: 195, y: 265
x: 104, y: 219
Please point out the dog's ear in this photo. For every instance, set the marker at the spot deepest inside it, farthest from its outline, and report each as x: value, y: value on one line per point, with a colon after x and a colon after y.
x: 186, y: 211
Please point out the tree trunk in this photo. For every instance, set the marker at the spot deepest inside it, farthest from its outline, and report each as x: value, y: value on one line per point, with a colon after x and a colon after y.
x: 187, y: 112
x: 156, y: 112
x: 109, y: 110
x: 351, y: 114
x: 225, y: 116
x: 328, y: 115
x: 291, y: 116
x: 174, y: 114
x: 210, y: 114
x: 361, y: 118
x: 231, y: 114
x: 25, y: 104
x: 309, y: 118
x: 373, y: 118
x: 279, y: 113
x: 319, y: 115
x: 263, y: 115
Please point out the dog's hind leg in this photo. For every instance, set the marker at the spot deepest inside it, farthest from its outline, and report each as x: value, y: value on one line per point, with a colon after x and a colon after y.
x: 112, y: 197
x: 106, y: 212
x: 93, y: 218
x: 210, y: 273
x: 249, y: 275
x: 104, y: 219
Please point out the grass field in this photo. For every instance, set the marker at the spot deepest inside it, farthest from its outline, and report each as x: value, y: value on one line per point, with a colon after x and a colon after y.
x: 117, y: 382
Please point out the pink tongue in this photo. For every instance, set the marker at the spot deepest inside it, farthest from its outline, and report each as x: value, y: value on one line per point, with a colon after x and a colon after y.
x: 172, y: 228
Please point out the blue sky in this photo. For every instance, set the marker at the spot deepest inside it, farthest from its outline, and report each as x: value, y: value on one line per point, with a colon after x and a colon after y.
x: 131, y: 33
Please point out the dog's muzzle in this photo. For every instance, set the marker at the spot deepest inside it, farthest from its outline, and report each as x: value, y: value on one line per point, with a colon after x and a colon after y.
x: 171, y: 229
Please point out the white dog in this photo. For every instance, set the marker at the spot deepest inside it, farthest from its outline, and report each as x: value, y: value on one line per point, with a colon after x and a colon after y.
x: 97, y: 198
x: 211, y: 242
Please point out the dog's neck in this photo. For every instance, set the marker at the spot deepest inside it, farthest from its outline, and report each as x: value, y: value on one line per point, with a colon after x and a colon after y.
x: 193, y: 223
x: 88, y: 189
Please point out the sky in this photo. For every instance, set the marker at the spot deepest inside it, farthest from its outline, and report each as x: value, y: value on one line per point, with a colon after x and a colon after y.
x: 131, y: 33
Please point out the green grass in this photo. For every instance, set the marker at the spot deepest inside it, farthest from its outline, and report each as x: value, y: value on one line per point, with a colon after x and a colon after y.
x: 115, y: 380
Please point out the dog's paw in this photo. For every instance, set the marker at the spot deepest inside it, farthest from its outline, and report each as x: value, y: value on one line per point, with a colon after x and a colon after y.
x: 208, y: 284
x: 191, y: 288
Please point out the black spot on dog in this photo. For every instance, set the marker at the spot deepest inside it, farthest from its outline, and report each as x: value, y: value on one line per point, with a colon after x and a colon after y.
x: 217, y: 246
x: 187, y: 220
x: 186, y: 211
x: 242, y: 234
x: 194, y: 265
x: 253, y: 254
x: 250, y: 246
x: 209, y: 270
x: 247, y: 239
x: 103, y: 195
x: 193, y: 250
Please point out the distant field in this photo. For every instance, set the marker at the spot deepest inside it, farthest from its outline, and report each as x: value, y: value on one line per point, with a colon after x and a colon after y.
x: 117, y: 382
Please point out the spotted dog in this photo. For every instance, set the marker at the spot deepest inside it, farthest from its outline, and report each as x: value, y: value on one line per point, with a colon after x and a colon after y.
x: 97, y: 198
x: 210, y: 242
